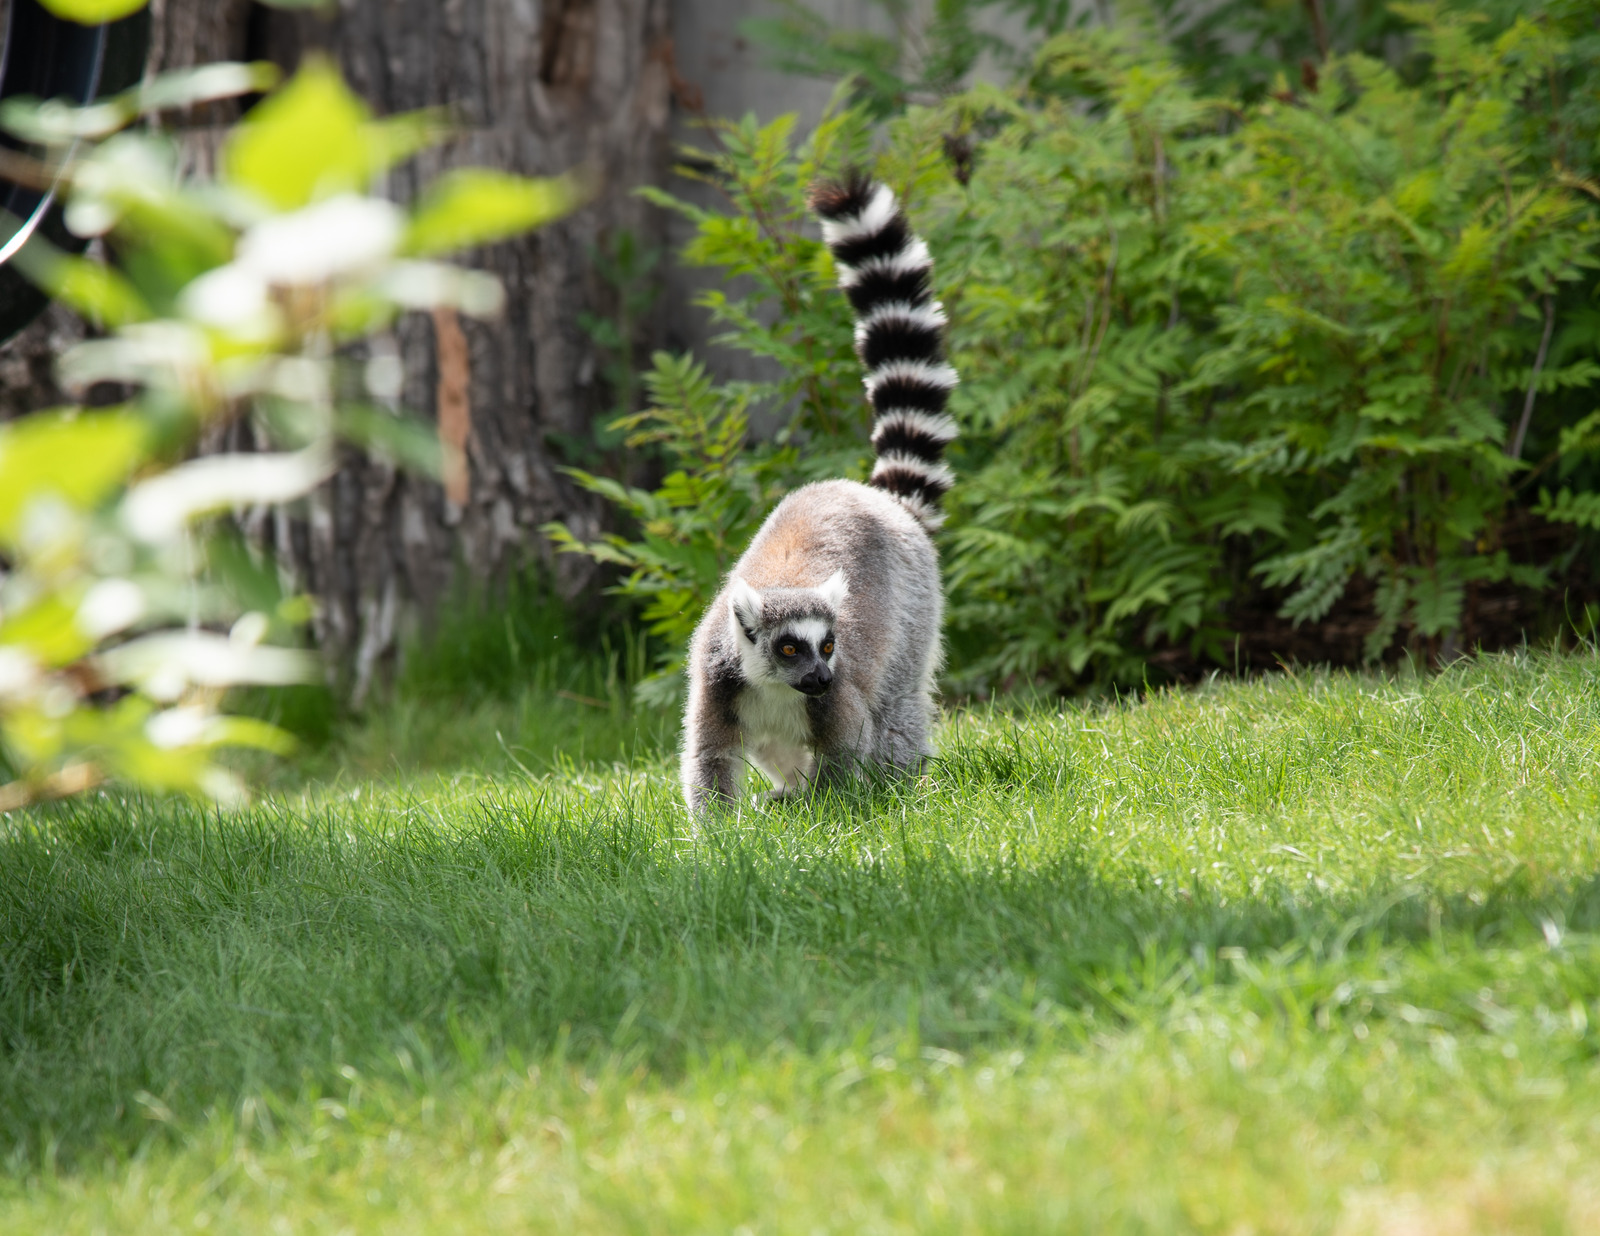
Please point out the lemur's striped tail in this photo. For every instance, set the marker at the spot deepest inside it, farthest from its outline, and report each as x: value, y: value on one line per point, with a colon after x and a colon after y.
x: 885, y: 270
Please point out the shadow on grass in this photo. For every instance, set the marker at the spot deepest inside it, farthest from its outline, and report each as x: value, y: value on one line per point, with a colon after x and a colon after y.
x: 157, y: 950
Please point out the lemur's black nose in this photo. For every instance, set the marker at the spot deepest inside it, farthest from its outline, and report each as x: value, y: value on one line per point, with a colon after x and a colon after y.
x: 816, y: 682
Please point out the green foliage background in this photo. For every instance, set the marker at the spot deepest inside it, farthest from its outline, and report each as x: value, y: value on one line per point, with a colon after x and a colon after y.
x: 1224, y: 339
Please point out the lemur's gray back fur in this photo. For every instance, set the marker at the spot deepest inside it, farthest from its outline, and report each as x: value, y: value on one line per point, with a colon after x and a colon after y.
x: 839, y: 566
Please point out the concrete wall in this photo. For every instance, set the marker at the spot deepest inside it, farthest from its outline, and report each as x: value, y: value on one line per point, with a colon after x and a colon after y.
x: 729, y: 74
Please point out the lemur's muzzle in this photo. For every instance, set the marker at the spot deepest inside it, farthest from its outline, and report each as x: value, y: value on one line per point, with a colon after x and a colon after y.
x: 816, y: 682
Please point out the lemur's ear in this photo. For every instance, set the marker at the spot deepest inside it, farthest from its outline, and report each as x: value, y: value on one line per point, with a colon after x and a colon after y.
x: 744, y: 603
x: 834, y: 590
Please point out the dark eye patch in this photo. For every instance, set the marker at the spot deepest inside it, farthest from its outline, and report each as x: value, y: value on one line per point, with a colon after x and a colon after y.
x: 790, y: 646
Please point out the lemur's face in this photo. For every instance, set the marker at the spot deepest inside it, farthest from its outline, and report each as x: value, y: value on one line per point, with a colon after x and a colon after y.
x: 800, y: 653
x: 786, y: 635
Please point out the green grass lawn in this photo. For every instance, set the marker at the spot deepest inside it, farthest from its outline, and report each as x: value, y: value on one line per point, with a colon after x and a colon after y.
x: 1309, y: 954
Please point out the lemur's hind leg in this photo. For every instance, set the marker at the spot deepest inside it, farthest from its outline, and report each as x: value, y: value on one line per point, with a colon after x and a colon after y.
x: 903, y: 739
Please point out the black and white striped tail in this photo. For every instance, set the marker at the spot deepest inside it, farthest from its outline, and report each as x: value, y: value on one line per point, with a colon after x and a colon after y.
x: 885, y: 270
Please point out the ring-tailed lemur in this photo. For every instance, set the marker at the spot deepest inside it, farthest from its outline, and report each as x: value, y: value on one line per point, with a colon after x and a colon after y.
x: 819, y: 655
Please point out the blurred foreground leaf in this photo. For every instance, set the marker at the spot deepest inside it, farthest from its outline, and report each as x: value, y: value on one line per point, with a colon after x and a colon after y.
x: 93, y: 12
x: 81, y: 459
x: 54, y: 122
x: 474, y: 206
x: 314, y: 138
x: 128, y: 607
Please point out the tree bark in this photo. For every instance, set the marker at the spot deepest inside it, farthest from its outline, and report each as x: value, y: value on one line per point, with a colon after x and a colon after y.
x: 28, y: 362
x: 535, y: 87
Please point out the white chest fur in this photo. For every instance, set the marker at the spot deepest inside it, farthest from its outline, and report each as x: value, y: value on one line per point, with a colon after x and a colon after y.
x: 777, y: 736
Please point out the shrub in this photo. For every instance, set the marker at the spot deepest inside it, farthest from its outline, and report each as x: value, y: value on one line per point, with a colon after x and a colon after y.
x: 1215, y: 350
x: 1285, y: 353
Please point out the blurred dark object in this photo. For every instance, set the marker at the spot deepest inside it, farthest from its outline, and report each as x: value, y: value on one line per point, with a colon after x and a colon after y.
x: 48, y: 57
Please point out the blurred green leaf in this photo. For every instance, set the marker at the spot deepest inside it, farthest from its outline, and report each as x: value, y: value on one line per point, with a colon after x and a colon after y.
x: 56, y: 122
x: 474, y: 206
x: 393, y: 139
x: 411, y: 442
x: 93, y: 12
x: 81, y: 459
x: 96, y: 291
x: 167, y: 234
x: 250, y: 581
x: 46, y: 631
x: 249, y: 732
x: 106, y: 541
x: 102, y: 295
x: 186, y: 87
x: 302, y: 142
x: 314, y: 138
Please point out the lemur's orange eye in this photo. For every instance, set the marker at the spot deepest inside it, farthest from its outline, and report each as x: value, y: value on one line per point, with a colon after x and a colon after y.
x: 827, y: 649
x: 788, y: 650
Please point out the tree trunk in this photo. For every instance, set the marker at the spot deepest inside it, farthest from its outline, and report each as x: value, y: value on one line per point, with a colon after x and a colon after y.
x: 536, y: 88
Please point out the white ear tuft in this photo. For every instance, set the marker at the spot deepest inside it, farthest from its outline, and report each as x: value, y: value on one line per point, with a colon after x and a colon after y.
x: 834, y: 590
x: 744, y: 603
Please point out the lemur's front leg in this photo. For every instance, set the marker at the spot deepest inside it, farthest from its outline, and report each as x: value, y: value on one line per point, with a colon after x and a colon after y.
x: 842, y: 735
